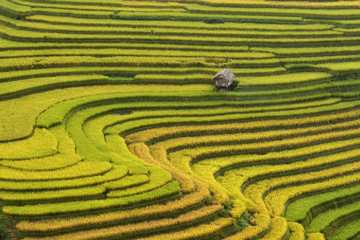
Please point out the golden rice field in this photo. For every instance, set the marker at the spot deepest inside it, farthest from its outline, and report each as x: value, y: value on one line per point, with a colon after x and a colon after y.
x: 110, y: 128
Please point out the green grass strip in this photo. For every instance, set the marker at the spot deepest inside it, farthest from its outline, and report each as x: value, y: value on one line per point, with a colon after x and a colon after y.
x: 92, y: 205
x: 14, y: 10
x: 349, y: 231
x: 177, y: 24
x: 82, y: 169
x: 53, y: 162
x: 158, y: 177
x: 125, y: 127
x: 341, y: 66
x: 313, y: 13
x: 127, y: 182
x: 31, y: 147
x: 298, y: 209
x: 44, y: 196
x: 56, y: 113
x: 320, y: 222
x: 52, y: 184
x: 285, y: 78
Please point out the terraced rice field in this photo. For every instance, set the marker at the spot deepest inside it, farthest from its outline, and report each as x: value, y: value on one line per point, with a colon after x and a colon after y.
x: 110, y: 128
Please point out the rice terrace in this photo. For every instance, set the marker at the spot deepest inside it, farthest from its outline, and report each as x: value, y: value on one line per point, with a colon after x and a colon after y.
x: 179, y: 119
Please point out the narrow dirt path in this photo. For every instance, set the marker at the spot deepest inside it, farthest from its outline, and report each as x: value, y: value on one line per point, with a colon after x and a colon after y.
x: 12, y: 230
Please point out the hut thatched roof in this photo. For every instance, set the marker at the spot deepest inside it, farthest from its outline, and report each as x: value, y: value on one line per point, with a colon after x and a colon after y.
x: 224, y: 78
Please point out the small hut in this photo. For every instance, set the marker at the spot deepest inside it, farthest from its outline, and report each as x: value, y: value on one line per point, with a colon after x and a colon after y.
x: 223, y: 79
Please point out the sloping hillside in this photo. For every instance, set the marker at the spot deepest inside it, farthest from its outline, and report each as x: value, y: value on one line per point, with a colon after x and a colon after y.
x: 110, y: 128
